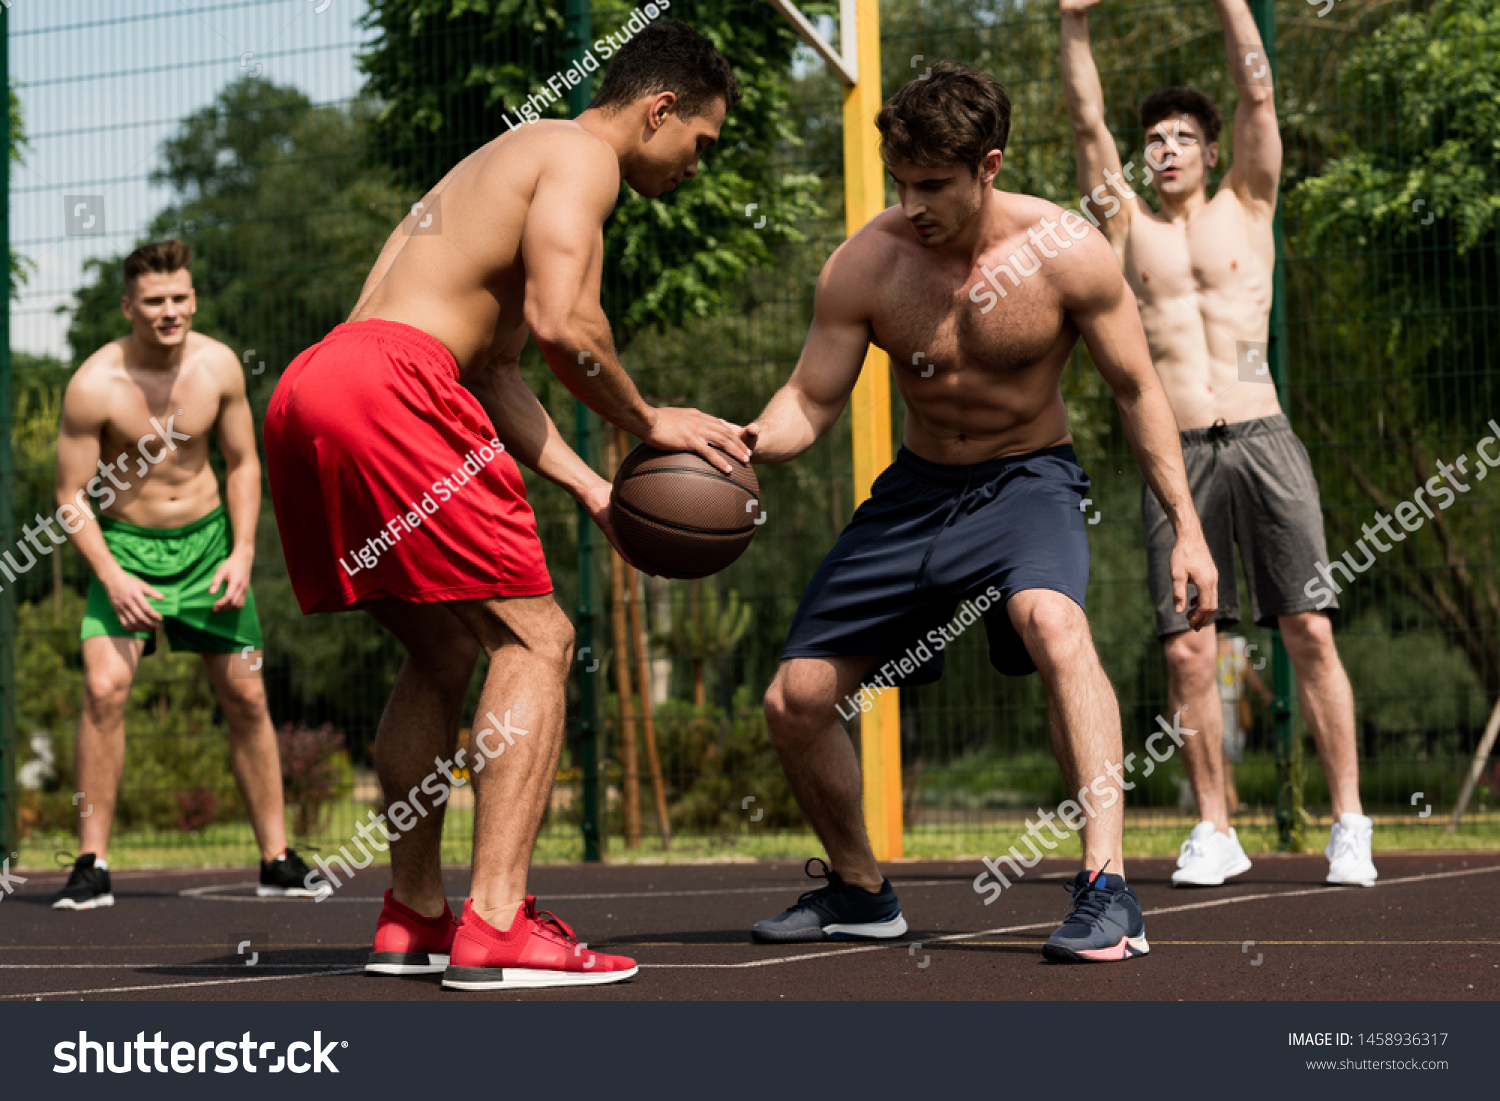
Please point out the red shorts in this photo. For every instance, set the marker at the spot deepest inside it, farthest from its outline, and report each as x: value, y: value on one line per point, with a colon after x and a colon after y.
x: 388, y: 479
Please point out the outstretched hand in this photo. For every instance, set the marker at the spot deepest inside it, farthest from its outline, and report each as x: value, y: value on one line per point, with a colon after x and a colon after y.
x: 707, y: 436
x: 1077, y: 7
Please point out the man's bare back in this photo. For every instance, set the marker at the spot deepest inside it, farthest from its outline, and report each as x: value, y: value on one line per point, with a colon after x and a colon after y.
x: 160, y: 419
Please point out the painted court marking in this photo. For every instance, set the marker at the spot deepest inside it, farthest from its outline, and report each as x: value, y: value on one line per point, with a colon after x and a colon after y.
x: 779, y: 960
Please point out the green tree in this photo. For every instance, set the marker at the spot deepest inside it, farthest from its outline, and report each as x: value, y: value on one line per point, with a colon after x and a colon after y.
x: 15, y: 145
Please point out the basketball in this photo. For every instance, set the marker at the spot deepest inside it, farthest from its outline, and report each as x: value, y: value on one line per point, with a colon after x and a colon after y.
x: 678, y: 516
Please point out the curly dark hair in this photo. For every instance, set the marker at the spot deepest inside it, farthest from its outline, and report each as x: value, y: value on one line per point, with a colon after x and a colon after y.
x: 669, y: 56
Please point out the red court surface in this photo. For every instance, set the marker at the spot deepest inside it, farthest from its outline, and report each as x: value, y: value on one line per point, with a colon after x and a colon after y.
x: 1427, y: 931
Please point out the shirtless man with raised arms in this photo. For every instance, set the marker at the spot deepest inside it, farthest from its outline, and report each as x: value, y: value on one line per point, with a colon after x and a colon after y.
x: 392, y: 448
x: 1201, y: 270
x: 136, y: 423
x: 981, y: 509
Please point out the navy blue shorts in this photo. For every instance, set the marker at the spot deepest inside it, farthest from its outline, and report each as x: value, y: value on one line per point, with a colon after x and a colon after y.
x: 933, y: 540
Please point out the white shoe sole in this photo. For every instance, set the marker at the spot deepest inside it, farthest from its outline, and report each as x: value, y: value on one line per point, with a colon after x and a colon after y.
x: 525, y: 978
x: 1237, y: 867
x: 875, y: 930
x: 284, y: 892
x: 87, y: 904
x: 406, y: 963
x: 1370, y: 882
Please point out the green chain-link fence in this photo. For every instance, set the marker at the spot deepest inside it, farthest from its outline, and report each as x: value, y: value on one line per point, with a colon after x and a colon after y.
x: 282, y: 139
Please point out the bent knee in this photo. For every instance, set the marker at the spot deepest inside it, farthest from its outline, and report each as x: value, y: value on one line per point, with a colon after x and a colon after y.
x: 1055, y: 631
x: 795, y: 707
x: 1191, y: 659
x: 106, y: 690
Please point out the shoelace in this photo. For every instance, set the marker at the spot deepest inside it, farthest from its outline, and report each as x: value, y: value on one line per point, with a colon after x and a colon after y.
x: 1190, y: 847
x: 1343, y: 842
x: 64, y: 859
x: 831, y: 882
x: 553, y: 924
x: 1089, y: 901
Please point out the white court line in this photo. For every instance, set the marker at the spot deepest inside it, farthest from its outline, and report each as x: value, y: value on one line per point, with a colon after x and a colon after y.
x: 1328, y: 889
x: 810, y: 955
x: 203, y: 894
x: 38, y: 995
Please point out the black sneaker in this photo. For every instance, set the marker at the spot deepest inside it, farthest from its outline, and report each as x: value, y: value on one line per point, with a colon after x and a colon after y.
x: 288, y: 876
x: 87, y: 887
x: 1104, y: 922
x: 835, y: 912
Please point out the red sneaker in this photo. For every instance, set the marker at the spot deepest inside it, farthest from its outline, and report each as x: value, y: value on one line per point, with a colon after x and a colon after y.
x: 537, y: 950
x: 406, y: 943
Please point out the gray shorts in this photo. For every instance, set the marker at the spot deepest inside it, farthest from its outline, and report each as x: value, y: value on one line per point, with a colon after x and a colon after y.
x: 1252, y: 484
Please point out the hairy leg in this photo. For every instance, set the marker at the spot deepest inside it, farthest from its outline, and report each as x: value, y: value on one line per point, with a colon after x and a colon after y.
x: 1192, y: 657
x: 1327, y: 703
x: 418, y: 728
x: 253, y: 755
x: 109, y: 666
x: 820, y: 760
x: 518, y: 738
x: 1083, y: 713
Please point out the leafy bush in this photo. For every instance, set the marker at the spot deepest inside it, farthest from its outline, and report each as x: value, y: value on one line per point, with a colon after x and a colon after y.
x: 315, y: 772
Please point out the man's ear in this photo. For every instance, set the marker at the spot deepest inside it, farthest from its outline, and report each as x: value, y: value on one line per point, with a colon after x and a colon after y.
x: 1211, y: 154
x: 659, y: 108
x: 989, y: 168
x: 125, y: 306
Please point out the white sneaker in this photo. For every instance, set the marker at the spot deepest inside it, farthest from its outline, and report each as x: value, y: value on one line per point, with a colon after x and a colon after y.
x: 1348, y: 852
x: 1209, y: 857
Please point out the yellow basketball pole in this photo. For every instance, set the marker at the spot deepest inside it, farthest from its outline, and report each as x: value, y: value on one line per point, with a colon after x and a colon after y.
x: 870, y: 406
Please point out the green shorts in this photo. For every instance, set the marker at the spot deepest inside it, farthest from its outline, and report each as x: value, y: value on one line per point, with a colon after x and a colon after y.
x: 180, y: 564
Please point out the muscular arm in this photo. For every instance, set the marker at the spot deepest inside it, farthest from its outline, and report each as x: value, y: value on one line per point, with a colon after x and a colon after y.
x: 562, y: 248
x: 1102, y: 307
x: 832, y: 356
x: 1094, y: 149
x: 235, y: 430
x: 1256, y: 171
x: 84, y: 415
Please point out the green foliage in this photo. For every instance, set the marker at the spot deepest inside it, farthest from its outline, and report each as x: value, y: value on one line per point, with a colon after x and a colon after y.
x: 315, y: 773
x: 446, y: 74
x: 15, y: 148
x: 713, y: 762
x: 283, y: 215
x: 176, y: 753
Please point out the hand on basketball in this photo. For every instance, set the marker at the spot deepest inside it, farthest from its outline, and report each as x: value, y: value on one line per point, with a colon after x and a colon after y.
x: 234, y: 574
x: 127, y: 596
x: 696, y: 431
x: 596, y: 500
x: 1192, y: 564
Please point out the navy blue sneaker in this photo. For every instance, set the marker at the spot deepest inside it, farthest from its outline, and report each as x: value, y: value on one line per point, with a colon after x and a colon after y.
x: 835, y: 912
x: 1104, y: 922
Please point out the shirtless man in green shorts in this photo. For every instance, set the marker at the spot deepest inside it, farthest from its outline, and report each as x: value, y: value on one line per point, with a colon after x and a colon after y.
x: 164, y: 551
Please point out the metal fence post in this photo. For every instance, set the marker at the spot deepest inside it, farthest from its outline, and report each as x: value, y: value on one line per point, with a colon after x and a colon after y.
x: 579, y: 26
x: 1289, y: 815
x: 9, y: 741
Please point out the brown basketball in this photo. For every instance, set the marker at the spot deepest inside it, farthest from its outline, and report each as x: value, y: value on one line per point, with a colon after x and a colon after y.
x: 680, y: 517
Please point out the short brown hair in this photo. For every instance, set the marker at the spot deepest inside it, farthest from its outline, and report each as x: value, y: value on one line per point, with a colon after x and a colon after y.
x: 955, y: 115
x: 1171, y: 102
x: 161, y: 257
x: 669, y: 57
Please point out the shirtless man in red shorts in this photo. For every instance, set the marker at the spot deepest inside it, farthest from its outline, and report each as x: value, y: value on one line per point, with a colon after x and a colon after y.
x: 392, y: 448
